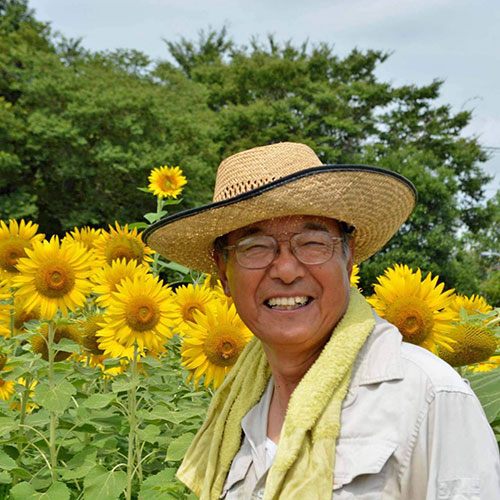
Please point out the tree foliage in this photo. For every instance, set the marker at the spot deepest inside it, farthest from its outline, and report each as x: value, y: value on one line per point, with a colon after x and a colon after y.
x: 80, y: 131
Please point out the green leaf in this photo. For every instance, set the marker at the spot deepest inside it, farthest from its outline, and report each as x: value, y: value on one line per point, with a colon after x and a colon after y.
x: 20, y: 472
x: 39, y: 418
x: 175, y: 267
x: 80, y: 464
x: 99, y: 400
x: 149, y: 433
x: 68, y: 345
x: 159, y: 486
x: 154, y: 216
x: 24, y: 491
x: 7, y: 424
x: 111, y: 362
x: 178, y: 447
x: 5, y: 477
x: 145, y: 190
x: 486, y: 385
x: 103, y: 485
x: 138, y: 225
x: 151, y: 362
x: 6, y: 463
x: 57, y: 399
x: 120, y: 385
x: 171, y: 201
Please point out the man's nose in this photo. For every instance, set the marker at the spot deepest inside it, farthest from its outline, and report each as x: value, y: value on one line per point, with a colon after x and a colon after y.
x: 286, y: 266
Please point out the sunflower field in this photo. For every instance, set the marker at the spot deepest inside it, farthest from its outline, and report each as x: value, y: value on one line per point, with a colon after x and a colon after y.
x: 109, y: 354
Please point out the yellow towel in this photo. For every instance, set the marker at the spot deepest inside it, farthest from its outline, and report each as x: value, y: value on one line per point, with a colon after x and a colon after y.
x: 304, y: 462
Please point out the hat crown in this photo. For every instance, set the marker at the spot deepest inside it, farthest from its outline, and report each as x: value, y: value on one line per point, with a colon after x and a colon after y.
x: 256, y: 167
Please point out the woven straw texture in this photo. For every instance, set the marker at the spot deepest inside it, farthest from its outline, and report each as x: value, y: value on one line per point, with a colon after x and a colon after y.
x: 374, y: 202
x: 259, y: 166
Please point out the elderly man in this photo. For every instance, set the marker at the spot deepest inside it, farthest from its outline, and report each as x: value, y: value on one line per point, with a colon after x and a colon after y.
x: 326, y: 401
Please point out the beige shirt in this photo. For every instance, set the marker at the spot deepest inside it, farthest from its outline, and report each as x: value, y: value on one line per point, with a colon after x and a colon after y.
x: 411, y: 429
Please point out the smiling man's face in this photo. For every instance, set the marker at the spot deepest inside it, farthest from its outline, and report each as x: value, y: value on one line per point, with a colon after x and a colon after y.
x: 264, y: 297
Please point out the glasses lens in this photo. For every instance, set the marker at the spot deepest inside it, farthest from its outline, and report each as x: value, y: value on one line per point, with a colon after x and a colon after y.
x: 256, y: 252
x: 315, y: 247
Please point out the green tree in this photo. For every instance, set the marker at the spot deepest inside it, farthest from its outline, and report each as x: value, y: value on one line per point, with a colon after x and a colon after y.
x: 275, y: 92
x: 484, y: 250
x: 81, y: 131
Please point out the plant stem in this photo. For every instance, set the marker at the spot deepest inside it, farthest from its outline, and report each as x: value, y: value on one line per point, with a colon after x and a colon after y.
x: 12, y: 316
x: 156, y: 257
x: 132, y: 393
x: 53, y: 416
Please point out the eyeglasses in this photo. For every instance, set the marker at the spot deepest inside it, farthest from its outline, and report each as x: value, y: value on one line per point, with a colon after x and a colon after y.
x: 258, y: 252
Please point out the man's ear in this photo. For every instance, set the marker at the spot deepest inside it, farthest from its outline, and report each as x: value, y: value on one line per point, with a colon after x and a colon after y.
x: 221, y: 264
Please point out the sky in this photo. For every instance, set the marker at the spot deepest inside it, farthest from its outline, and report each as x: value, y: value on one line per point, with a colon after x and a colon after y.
x: 457, y: 41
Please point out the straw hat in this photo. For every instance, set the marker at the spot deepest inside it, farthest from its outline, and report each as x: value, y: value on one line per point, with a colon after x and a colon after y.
x: 286, y: 179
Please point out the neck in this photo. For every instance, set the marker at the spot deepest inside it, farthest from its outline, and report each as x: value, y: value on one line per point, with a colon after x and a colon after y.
x: 287, y: 369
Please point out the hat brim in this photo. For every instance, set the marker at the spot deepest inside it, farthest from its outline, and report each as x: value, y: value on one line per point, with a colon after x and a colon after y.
x: 374, y: 200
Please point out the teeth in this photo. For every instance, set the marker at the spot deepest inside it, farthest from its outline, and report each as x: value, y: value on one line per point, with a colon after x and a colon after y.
x: 287, y: 302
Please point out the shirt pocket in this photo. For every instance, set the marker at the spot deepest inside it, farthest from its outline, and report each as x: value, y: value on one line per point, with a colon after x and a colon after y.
x: 361, y: 468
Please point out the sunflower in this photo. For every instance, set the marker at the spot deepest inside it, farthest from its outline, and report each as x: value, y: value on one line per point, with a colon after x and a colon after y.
x: 3, y: 360
x: 85, y: 235
x: 54, y: 276
x: 16, y: 405
x: 120, y: 243
x: 166, y: 181
x: 6, y: 386
x: 6, y: 389
x: 140, y: 312
x: 39, y: 342
x: 472, y: 305
x: 215, y: 286
x: 22, y: 315
x: 5, y: 309
x: 14, y: 240
x: 490, y: 364
x: 189, y: 298
x: 97, y: 361
x: 474, y: 343
x: 213, y: 343
x: 417, y: 307
x: 355, y: 275
x: 108, y: 277
x: 89, y: 328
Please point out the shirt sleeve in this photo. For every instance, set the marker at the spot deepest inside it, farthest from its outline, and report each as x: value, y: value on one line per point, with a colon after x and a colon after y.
x: 452, y: 453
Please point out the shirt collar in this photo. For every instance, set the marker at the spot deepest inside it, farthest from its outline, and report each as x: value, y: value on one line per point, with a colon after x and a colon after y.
x: 379, y: 360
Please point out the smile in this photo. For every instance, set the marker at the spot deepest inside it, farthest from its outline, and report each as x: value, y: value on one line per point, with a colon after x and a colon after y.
x: 287, y: 303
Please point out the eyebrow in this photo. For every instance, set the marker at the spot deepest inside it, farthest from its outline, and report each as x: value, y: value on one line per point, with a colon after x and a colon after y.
x: 313, y: 226
x: 316, y: 226
x: 249, y: 231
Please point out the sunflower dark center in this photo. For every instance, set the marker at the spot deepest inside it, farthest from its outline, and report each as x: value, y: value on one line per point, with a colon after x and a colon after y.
x: 142, y: 314
x: 189, y: 311
x: 413, y: 317
x: 222, y: 348
x: 167, y: 183
x: 11, y: 250
x: 123, y: 247
x: 54, y: 279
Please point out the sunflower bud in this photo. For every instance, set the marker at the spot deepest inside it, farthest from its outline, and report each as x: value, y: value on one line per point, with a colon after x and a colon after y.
x: 39, y: 342
x: 3, y: 360
x: 90, y: 327
x: 474, y: 343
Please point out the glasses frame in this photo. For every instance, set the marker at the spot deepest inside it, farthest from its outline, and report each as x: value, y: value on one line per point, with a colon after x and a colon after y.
x: 334, y: 239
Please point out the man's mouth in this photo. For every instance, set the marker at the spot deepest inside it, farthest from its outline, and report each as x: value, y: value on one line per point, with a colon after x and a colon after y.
x: 287, y: 303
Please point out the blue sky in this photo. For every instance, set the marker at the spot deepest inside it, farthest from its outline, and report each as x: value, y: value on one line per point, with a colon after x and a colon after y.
x: 454, y: 40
